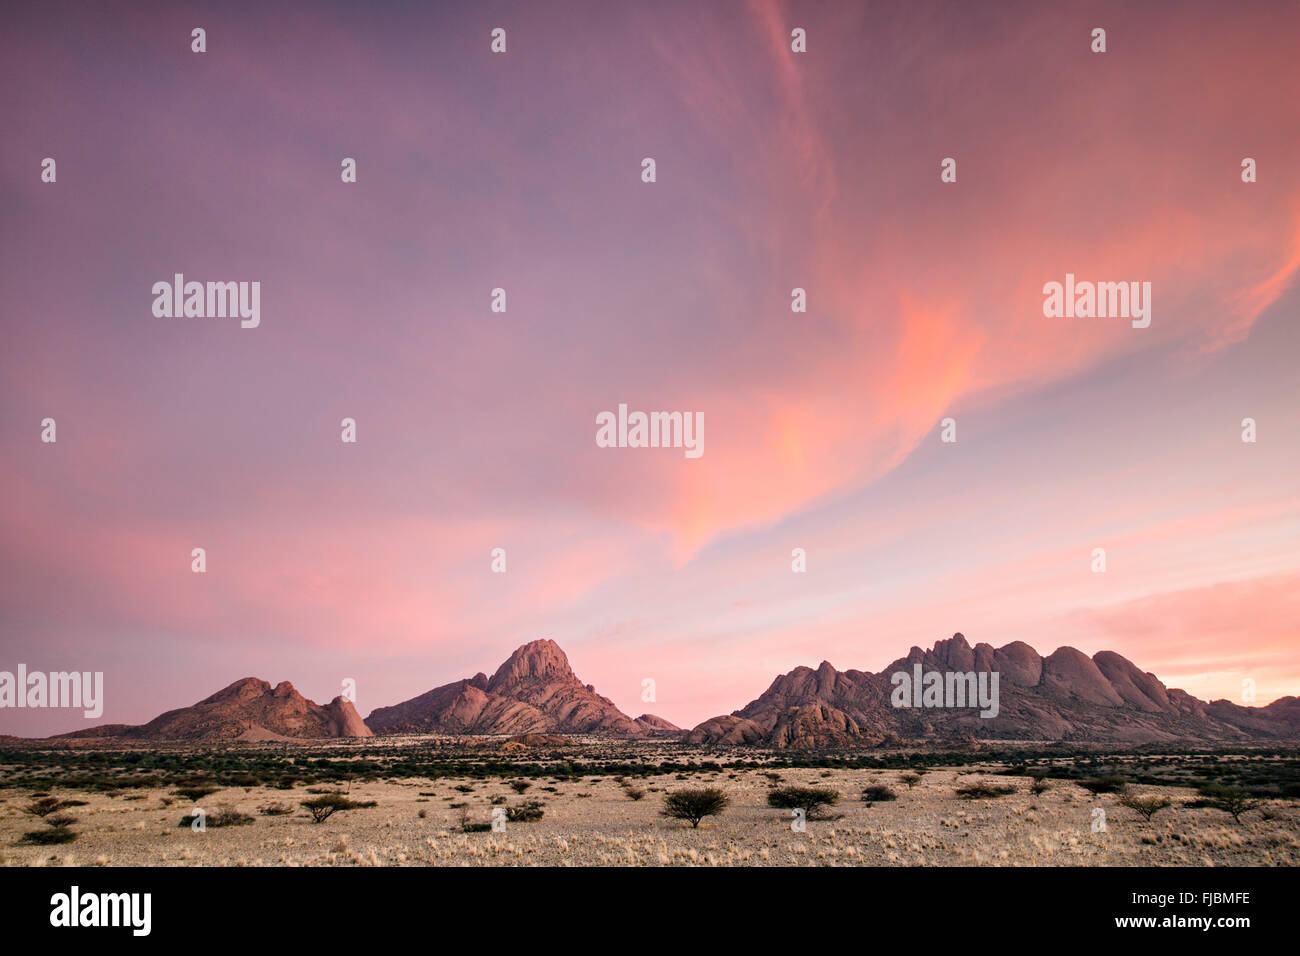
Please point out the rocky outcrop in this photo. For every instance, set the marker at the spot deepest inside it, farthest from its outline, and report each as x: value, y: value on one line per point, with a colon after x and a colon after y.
x: 535, y: 691
x: 248, y: 710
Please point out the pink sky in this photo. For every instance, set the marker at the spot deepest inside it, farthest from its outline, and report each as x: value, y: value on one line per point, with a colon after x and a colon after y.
x: 476, y: 430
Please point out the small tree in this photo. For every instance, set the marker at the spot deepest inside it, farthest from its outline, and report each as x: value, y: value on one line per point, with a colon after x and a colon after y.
x: 808, y: 799
x: 1147, y: 806
x: 911, y: 779
x: 323, y: 807
x: 1231, y: 800
x: 694, y: 805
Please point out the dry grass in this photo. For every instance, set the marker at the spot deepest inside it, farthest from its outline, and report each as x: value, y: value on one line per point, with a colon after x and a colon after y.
x: 926, y: 825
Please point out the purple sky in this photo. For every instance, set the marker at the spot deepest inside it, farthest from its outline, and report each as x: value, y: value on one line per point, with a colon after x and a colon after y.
x: 476, y: 430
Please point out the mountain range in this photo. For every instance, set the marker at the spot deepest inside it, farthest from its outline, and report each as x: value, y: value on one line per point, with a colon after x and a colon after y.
x: 1065, y: 696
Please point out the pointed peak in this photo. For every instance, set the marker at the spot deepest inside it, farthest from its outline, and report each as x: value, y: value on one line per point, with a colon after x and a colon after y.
x: 537, y: 659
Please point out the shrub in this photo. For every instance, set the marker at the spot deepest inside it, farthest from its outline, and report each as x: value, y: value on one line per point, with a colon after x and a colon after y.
x: 223, y: 816
x: 634, y: 793
x: 43, y: 807
x: 911, y: 779
x: 323, y: 807
x: 694, y: 805
x: 1147, y: 806
x: 1104, y: 784
x: 519, y: 786
x: 275, y: 810
x: 1039, y: 786
x: 525, y: 813
x: 194, y: 794
x: 50, y: 837
x: 228, y: 817
x: 983, y: 791
x: 878, y: 792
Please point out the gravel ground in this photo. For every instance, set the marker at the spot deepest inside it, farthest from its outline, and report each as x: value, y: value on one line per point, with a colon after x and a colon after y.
x: 593, y: 821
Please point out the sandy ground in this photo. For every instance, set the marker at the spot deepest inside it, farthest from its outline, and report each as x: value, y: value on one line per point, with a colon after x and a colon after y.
x: 593, y: 822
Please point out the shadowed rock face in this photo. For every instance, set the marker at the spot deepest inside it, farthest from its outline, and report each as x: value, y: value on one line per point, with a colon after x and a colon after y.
x: 1066, y: 696
x: 249, y: 709
x: 535, y: 691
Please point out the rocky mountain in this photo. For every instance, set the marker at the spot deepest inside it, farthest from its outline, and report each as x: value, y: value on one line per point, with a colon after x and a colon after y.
x: 1066, y: 696
x: 248, y: 710
x: 535, y: 691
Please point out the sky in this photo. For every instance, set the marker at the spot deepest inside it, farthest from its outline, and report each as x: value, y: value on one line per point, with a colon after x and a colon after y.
x: 522, y: 170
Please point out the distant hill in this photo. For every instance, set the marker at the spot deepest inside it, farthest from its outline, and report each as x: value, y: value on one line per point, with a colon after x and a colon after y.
x: 249, y: 709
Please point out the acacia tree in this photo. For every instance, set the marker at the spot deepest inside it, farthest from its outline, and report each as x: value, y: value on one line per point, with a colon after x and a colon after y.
x: 1231, y: 800
x: 694, y: 805
x: 1147, y: 806
x: 323, y: 807
x: 808, y: 799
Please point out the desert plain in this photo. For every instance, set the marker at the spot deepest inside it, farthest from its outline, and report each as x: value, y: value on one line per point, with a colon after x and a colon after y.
x: 424, y: 801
